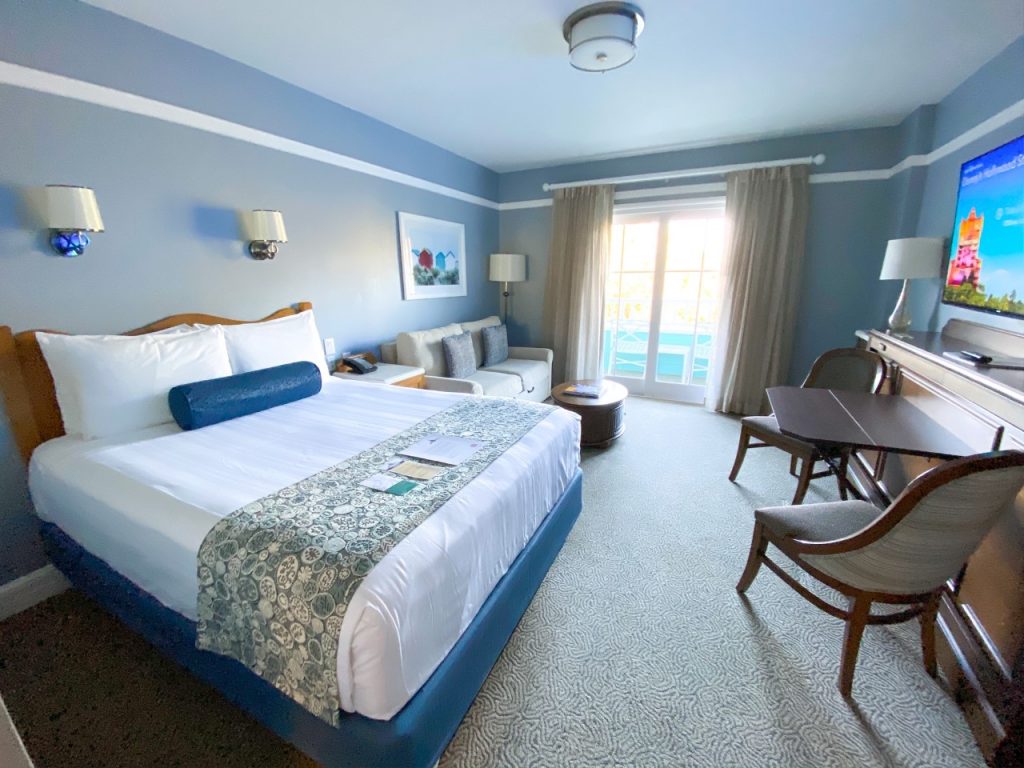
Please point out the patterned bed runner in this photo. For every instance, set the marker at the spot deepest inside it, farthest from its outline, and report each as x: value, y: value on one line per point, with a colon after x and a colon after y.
x: 276, y: 576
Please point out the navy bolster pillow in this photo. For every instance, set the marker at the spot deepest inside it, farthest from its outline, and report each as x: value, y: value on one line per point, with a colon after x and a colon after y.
x: 203, y: 403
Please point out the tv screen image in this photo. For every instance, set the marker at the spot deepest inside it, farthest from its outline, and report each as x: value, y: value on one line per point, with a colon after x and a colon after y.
x: 986, y: 258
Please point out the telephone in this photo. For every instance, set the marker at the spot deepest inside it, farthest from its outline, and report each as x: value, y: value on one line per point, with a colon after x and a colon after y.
x: 359, y: 364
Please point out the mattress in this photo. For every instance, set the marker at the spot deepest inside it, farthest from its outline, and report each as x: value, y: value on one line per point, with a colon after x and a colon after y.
x: 144, y: 502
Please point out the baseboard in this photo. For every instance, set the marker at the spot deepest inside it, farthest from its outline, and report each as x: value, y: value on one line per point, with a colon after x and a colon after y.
x: 12, y: 750
x: 21, y: 594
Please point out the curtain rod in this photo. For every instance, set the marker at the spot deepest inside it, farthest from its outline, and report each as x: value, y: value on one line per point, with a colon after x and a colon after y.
x: 716, y: 170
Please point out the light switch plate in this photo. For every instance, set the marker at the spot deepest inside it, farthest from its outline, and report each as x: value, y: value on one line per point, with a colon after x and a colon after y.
x: 329, y: 347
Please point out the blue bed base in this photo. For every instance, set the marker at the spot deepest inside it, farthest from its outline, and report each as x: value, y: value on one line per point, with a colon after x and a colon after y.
x: 416, y: 736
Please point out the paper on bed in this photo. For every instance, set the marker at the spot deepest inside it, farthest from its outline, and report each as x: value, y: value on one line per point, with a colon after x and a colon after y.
x: 444, y: 449
x: 416, y: 470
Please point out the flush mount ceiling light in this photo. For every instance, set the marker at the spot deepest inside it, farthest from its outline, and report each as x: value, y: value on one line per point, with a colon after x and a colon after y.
x: 603, y: 36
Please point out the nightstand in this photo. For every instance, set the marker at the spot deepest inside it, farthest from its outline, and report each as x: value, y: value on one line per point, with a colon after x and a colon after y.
x: 386, y: 373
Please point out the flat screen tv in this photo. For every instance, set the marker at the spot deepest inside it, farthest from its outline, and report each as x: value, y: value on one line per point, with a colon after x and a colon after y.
x: 986, y: 254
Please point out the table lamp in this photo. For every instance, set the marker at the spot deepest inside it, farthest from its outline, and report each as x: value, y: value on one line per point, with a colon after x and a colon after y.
x: 906, y: 259
x: 507, y: 268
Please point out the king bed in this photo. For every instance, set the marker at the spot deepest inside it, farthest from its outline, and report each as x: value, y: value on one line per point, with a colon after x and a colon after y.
x: 125, y: 517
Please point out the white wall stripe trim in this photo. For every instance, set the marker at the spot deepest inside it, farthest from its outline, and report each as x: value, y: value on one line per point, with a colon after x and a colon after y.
x: 80, y: 90
x: 998, y: 120
x: 59, y: 85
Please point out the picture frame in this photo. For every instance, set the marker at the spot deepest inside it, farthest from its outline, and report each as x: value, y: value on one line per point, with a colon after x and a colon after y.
x: 433, y: 257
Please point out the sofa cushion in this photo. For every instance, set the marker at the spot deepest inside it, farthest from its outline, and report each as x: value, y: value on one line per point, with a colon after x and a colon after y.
x: 497, y: 384
x: 422, y: 349
x: 495, y: 339
x: 458, y: 354
x: 475, y: 328
x: 534, y: 375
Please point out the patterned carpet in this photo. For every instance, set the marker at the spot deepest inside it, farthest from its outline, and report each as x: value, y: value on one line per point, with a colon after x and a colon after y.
x: 637, y: 650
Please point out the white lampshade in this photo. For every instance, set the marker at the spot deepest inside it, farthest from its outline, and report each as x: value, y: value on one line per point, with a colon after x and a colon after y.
x: 267, y: 226
x: 72, y: 209
x: 912, y: 257
x: 603, y: 36
x: 508, y: 267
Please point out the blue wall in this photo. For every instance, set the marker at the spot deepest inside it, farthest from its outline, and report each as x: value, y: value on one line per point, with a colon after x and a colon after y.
x: 850, y: 221
x: 170, y: 197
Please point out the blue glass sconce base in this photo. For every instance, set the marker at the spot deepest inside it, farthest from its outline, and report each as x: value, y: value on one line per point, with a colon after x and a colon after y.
x: 69, y: 243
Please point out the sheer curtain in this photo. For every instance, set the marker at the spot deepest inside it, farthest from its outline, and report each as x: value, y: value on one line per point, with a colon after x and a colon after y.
x: 581, y: 231
x: 766, y: 211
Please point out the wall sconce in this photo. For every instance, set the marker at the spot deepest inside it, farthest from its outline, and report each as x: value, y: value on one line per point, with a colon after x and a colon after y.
x: 266, y: 228
x: 70, y: 213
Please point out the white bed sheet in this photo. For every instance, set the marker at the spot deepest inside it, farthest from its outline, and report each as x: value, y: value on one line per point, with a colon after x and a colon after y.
x: 144, y: 502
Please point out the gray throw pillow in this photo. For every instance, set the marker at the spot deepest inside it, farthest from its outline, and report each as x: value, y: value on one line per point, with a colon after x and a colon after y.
x: 495, y: 344
x: 458, y: 353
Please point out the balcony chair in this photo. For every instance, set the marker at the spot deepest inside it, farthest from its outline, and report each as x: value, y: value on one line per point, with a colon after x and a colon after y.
x: 903, y: 555
x: 848, y: 369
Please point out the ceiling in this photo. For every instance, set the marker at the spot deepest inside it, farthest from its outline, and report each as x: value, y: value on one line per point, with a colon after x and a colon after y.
x: 490, y: 79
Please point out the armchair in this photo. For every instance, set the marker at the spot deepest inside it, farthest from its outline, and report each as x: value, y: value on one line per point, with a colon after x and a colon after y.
x: 903, y: 555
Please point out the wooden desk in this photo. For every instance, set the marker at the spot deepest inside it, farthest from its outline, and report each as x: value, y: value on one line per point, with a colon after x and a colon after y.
x: 888, y: 423
x: 981, y: 645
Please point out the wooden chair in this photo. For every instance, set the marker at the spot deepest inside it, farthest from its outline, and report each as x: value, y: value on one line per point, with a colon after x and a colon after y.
x: 903, y: 555
x: 850, y: 369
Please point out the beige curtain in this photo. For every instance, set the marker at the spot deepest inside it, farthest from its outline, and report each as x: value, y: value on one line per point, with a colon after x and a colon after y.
x: 766, y: 212
x: 581, y: 231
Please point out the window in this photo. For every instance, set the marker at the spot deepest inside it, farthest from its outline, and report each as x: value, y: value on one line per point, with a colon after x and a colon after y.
x: 662, y: 298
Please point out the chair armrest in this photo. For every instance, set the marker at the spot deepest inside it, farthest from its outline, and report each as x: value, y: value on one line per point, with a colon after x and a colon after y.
x: 444, y: 384
x: 531, y: 353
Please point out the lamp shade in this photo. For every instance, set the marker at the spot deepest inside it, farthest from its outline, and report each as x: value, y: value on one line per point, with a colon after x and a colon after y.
x: 508, y: 267
x: 267, y: 226
x: 602, y: 36
x: 72, y: 209
x: 912, y: 257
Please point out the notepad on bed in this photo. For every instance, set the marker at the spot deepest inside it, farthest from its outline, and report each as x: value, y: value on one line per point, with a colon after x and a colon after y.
x: 444, y: 449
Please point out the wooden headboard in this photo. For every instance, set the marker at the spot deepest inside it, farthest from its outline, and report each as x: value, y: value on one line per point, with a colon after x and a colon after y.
x: 27, y: 387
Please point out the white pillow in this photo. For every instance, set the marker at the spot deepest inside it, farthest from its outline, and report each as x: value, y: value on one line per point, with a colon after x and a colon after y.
x: 63, y: 384
x: 252, y: 346
x: 107, y: 385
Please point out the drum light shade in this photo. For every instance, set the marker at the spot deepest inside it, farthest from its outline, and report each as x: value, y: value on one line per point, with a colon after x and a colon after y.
x: 603, y: 36
x: 508, y: 267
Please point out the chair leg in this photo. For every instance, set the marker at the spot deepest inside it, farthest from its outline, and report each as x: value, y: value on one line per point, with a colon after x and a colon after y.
x: 741, y: 451
x: 792, y: 465
x: 758, y: 545
x: 844, y: 463
x: 860, y: 608
x: 804, y: 481
x: 927, y: 619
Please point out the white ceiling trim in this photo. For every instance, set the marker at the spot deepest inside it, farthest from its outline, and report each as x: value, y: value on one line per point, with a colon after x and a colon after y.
x: 80, y: 90
x: 982, y: 129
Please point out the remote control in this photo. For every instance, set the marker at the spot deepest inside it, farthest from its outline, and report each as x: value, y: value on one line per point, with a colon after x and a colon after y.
x: 975, y: 357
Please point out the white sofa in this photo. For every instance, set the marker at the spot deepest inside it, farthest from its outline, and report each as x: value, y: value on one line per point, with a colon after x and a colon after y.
x: 526, y: 374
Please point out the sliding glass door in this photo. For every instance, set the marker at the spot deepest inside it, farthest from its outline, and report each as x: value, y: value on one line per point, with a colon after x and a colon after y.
x: 662, y: 300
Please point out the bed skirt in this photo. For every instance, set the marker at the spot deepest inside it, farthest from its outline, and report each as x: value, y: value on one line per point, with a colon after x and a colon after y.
x: 419, y: 733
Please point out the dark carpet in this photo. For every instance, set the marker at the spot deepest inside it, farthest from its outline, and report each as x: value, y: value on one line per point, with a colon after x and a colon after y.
x: 636, y: 651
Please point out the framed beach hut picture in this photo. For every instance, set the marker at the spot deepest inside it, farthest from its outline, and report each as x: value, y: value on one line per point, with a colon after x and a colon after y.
x: 433, y: 254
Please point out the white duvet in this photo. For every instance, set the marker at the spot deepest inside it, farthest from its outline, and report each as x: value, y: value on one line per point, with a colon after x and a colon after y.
x: 144, y: 502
